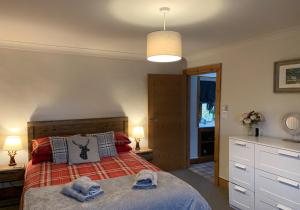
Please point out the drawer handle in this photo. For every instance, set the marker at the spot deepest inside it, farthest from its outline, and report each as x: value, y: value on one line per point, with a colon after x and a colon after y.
x: 239, y: 143
x: 240, y: 189
x: 288, y: 182
x: 288, y: 153
x: 240, y: 166
x: 282, y: 207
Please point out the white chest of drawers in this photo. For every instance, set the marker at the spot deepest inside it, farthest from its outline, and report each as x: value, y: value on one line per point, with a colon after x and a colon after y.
x: 264, y: 173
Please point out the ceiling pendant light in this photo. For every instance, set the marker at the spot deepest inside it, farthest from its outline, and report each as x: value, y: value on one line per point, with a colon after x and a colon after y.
x: 164, y: 46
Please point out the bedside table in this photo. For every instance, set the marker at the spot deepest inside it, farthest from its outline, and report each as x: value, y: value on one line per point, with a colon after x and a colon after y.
x: 145, y: 153
x: 11, y: 184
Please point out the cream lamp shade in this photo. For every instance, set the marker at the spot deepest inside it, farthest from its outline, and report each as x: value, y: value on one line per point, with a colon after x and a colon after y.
x: 164, y: 46
x: 12, y: 143
x: 138, y: 132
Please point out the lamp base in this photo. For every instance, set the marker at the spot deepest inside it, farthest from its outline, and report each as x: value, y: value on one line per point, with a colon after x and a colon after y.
x: 12, y: 161
x: 137, y: 146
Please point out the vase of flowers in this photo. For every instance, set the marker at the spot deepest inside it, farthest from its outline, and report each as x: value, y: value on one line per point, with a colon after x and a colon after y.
x: 250, y: 119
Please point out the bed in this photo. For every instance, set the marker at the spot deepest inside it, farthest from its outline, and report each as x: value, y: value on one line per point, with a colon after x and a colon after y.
x: 43, y: 181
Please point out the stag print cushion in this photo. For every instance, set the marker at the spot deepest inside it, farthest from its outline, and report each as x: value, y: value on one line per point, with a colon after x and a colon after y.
x: 106, y: 144
x: 82, y: 149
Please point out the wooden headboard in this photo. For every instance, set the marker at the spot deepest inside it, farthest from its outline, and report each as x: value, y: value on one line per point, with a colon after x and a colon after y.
x: 38, y: 129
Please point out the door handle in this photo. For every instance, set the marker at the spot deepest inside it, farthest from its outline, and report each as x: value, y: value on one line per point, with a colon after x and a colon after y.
x: 288, y: 182
x: 288, y: 153
x: 240, y: 143
x: 240, y: 189
x: 240, y: 166
x: 282, y: 207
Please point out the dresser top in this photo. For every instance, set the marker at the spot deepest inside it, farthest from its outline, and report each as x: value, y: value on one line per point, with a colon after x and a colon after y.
x: 270, y: 141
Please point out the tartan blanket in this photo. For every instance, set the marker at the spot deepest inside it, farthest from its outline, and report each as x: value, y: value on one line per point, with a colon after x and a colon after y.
x: 48, y: 173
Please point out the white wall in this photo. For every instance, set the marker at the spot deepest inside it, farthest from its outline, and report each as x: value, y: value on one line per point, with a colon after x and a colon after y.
x: 52, y: 86
x: 193, y: 118
x: 247, y: 83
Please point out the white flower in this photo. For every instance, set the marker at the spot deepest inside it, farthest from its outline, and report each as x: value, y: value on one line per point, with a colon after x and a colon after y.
x: 252, y: 117
x: 261, y: 117
x: 247, y: 121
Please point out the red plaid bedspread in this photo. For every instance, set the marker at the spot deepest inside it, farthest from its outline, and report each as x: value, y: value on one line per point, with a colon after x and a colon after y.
x: 48, y: 173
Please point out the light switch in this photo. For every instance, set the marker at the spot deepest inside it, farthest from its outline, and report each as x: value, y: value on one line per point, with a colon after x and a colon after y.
x: 225, y: 108
x: 224, y: 111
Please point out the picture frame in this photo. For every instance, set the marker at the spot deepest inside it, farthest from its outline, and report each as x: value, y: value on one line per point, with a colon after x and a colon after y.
x: 287, y: 76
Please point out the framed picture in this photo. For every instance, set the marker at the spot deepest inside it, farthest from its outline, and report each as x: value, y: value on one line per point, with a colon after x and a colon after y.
x: 287, y: 76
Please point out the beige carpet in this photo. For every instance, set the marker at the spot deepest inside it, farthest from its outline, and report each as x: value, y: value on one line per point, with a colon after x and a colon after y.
x: 205, y: 170
x: 216, y: 197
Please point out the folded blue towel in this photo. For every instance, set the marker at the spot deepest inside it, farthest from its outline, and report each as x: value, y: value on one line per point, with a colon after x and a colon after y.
x: 85, y: 185
x: 145, y: 179
x: 70, y: 192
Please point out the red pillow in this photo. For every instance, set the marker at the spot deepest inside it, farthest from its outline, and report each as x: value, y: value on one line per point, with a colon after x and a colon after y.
x: 123, y: 148
x: 41, y: 150
x: 121, y: 138
x: 41, y: 158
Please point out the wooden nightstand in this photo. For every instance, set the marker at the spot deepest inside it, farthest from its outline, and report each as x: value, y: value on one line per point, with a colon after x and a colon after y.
x: 11, y: 184
x: 145, y: 152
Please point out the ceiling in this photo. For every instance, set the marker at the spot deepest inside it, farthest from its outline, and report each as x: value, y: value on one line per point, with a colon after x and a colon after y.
x: 122, y: 25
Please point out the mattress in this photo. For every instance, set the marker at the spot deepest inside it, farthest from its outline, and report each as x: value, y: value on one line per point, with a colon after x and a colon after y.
x: 48, y: 173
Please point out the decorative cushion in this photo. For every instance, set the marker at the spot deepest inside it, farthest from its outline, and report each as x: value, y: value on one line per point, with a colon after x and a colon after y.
x: 123, y: 148
x: 82, y: 149
x: 41, y: 150
x: 59, y: 149
x: 41, y: 145
x: 121, y: 138
x: 106, y: 143
x: 41, y: 158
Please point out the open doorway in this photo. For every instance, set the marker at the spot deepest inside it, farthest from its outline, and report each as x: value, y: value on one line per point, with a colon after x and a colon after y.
x: 202, y: 98
x: 203, y: 120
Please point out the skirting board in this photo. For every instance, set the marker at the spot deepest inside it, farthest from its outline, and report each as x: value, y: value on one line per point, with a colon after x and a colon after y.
x: 202, y: 159
x: 223, y: 182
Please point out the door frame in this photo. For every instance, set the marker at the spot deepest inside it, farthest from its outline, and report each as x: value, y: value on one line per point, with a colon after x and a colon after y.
x: 214, y: 68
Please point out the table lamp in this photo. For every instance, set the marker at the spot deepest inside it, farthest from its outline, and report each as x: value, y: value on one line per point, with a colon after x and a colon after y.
x: 138, y: 134
x: 12, y: 145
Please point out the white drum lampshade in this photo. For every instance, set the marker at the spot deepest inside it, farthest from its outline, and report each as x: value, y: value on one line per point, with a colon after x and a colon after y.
x: 164, y: 46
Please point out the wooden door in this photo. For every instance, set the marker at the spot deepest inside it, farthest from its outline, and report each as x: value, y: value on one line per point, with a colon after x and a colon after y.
x: 166, y: 121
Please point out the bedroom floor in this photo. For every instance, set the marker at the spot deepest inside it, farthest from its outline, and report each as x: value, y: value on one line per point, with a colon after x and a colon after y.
x: 217, y: 197
x: 204, y: 169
